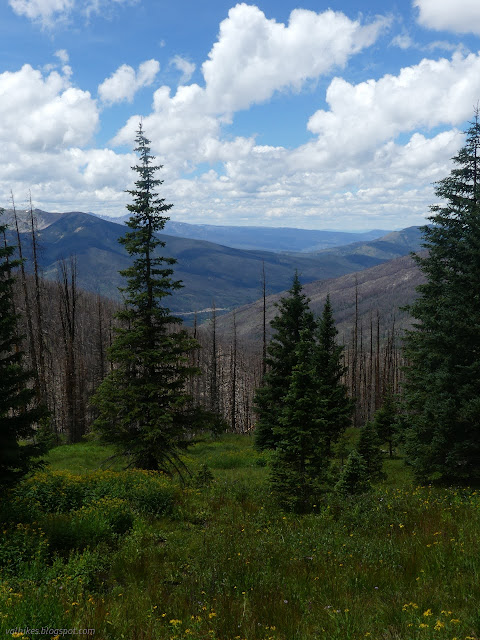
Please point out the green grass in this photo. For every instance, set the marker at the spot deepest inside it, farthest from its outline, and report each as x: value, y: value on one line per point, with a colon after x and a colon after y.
x: 82, y: 458
x: 224, y: 563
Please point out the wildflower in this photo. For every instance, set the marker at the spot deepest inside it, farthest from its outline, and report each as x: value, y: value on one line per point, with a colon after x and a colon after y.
x: 439, y: 625
x: 427, y: 613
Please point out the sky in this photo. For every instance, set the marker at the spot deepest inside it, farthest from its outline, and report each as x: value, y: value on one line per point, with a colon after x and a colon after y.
x: 320, y: 115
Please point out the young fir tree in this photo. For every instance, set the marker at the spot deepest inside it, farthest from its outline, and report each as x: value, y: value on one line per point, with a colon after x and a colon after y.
x: 144, y: 409
x: 18, y: 413
x: 442, y: 390
x: 294, y: 316
x: 368, y: 448
x: 354, y: 479
x: 337, y: 407
x: 300, y: 463
x: 385, y: 421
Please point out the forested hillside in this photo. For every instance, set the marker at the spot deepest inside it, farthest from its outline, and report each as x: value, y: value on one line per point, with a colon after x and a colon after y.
x: 210, y: 272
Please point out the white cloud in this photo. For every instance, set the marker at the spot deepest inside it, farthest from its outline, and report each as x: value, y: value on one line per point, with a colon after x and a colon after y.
x: 403, y: 41
x: 49, y: 12
x: 370, y: 161
x: 62, y: 55
x: 123, y: 84
x: 187, y: 68
x: 461, y: 16
x: 44, y: 11
x: 254, y: 56
x: 44, y: 112
x: 432, y: 93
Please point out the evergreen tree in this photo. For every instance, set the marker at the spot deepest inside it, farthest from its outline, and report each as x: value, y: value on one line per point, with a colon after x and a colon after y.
x: 385, y: 421
x: 17, y: 413
x: 294, y: 316
x: 144, y: 409
x: 369, y: 448
x: 442, y: 390
x: 354, y: 479
x: 299, y: 463
x: 337, y: 407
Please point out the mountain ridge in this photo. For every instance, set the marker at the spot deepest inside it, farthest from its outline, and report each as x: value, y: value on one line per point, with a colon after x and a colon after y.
x: 210, y: 272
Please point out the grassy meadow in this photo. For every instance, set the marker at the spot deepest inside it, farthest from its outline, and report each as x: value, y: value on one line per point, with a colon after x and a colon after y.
x: 136, y: 555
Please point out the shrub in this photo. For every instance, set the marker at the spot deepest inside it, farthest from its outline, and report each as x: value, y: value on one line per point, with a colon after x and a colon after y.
x: 90, y: 525
x: 62, y: 492
x: 22, y: 546
x: 57, y: 492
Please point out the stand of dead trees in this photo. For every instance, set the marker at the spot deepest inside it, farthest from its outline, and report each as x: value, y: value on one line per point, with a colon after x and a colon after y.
x: 67, y: 333
x: 74, y: 329
x: 232, y: 369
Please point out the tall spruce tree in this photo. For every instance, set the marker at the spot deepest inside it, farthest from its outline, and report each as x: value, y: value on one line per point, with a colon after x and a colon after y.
x: 293, y: 317
x: 18, y: 412
x: 300, y: 462
x: 442, y: 390
x: 336, y: 406
x: 144, y: 409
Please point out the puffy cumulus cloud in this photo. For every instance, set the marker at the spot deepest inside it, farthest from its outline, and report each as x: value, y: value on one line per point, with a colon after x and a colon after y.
x: 44, y: 112
x: 462, y: 16
x: 187, y: 68
x: 255, y: 56
x: 180, y: 127
x: 71, y: 178
x: 49, y: 12
x: 252, y: 58
x: 432, y: 93
x: 124, y: 83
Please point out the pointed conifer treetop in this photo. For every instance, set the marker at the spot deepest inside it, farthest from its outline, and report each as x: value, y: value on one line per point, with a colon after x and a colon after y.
x: 443, y: 350
x: 148, y: 279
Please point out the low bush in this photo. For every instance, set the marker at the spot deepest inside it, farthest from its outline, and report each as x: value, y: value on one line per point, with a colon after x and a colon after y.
x: 61, y: 492
x: 88, y: 526
x: 22, y: 546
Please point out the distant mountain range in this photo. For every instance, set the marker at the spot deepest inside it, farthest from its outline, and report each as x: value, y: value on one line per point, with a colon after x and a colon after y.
x: 210, y: 272
x: 284, y: 239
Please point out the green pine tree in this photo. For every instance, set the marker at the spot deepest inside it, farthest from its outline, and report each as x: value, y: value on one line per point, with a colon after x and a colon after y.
x: 385, y: 421
x: 369, y: 448
x: 354, y: 479
x: 300, y: 463
x: 18, y: 413
x: 337, y: 407
x: 442, y: 390
x: 144, y: 409
x: 294, y: 316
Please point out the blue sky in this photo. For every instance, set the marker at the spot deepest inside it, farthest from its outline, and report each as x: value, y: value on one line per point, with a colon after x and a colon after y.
x: 316, y: 115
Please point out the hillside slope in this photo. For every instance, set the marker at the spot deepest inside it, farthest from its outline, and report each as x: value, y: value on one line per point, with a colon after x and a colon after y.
x: 210, y: 272
x: 383, y: 288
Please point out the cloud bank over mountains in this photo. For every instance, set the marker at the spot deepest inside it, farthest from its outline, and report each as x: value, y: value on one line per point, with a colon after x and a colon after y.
x: 373, y: 147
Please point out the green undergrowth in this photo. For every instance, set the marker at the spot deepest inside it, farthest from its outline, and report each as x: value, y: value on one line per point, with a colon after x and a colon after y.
x: 137, y: 555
